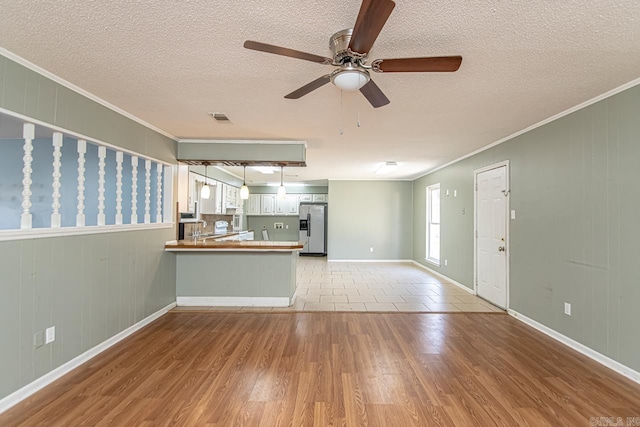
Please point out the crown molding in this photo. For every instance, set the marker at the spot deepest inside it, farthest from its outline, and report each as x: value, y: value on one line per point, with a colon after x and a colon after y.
x: 555, y: 117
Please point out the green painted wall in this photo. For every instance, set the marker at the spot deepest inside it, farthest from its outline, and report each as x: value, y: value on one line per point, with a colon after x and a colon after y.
x: 263, y: 189
x: 237, y: 274
x: 364, y: 214
x: 89, y: 287
x: 26, y: 92
x: 258, y: 223
x: 574, y: 187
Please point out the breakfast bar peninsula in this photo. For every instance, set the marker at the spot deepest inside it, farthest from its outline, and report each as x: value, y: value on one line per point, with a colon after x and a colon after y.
x: 211, y: 272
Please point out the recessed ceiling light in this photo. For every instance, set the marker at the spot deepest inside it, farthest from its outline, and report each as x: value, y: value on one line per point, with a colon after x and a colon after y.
x: 267, y: 170
x: 220, y: 117
x: 386, y: 168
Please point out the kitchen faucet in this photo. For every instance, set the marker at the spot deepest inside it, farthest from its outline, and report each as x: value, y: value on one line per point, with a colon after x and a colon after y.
x: 197, y: 232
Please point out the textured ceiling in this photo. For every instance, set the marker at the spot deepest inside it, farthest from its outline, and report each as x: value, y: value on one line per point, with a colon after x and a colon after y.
x: 171, y: 62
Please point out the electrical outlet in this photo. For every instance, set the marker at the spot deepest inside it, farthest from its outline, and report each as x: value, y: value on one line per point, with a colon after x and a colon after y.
x: 567, y: 309
x: 286, y: 227
x: 278, y: 225
x: 50, y: 335
x: 446, y: 262
x: 371, y: 249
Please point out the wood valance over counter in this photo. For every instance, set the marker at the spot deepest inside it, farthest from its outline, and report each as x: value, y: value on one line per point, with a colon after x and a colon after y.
x: 206, y: 245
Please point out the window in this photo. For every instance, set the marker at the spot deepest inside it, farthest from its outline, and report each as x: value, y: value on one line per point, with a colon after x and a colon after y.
x: 433, y: 224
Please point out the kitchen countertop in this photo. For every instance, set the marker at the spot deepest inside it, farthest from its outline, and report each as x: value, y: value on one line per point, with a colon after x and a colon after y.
x: 211, y: 244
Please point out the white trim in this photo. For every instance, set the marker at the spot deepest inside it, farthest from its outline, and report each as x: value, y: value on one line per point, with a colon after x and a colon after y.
x: 241, y: 141
x: 580, y: 106
x: 48, y: 74
x: 234, y: 301
x: 507, y: 219
x: 369, y: 260
x: 433, y: 261
x: 369, y: 179
x: 580, y: 348
x: 77, y: 135
x: 26, y: 391
x: 428, y: 202
x: 442, y: 276
x: 38, y: 233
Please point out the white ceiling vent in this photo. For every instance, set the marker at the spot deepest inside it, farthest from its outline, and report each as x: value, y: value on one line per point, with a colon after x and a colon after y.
x: 220, y: 117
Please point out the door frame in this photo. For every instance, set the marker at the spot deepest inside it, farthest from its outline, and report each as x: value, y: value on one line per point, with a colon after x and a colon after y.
x: 507, y: 217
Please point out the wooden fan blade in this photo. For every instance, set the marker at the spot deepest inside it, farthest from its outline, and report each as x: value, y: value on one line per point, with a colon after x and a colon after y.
x: 438, y: 64
x: 269, y: 48
x: 371, y: 18
x: 374, y: 95
x: 309, y: 87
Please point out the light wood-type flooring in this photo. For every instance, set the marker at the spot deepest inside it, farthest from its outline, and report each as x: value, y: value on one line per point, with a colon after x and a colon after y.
x: 333, y: 369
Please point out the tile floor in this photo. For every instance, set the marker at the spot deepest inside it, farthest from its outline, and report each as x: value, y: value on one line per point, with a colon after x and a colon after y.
x: 344, y: 286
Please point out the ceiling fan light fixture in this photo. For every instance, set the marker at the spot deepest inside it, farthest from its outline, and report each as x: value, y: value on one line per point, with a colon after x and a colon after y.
x: 350, y: 78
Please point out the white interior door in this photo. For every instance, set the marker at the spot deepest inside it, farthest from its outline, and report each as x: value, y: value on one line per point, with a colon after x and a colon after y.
x: 491, y: 227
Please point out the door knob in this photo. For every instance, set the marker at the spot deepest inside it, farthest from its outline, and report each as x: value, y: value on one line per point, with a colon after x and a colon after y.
x: 501, y: 249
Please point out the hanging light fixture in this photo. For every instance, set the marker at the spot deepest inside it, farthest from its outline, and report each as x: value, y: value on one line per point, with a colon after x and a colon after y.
x: 205, y: 192
x: 282, y: 192
x: 244, y: 190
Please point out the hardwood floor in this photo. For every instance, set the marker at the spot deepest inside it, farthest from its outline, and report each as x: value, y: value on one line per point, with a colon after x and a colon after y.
x: 299, y: 369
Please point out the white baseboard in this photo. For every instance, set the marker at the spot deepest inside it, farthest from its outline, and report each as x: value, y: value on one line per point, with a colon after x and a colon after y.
x: 26, y: 391
x: 234, y: 301
x: 581, y: 348
x: 442, y: 276
x: 368, y: 260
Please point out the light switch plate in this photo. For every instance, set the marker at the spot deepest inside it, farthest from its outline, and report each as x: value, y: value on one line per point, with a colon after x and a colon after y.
x: 455, y: 193
x: 567, y: 309
x: 513, y: 214
x: 50, y: 335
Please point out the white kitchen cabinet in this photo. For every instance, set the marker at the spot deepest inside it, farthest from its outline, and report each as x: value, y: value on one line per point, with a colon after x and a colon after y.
x: 319, y: 197
x: 306, y: 197
x: 294, y: 204
x: 253, y: 204
x: 267, y: 204
x: 288, y: 205
x: 219, y: 197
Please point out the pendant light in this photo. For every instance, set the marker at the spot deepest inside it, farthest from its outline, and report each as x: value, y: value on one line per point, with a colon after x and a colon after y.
x: 205, y: 192
x: 244, y: 190
x: 282, y: 192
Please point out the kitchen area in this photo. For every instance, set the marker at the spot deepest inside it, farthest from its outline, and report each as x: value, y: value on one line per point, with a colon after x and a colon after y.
x: 238, y: 245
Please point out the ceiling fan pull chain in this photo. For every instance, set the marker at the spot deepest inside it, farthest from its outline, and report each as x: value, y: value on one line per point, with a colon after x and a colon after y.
x: 358, y: 119
x: 341, y: 116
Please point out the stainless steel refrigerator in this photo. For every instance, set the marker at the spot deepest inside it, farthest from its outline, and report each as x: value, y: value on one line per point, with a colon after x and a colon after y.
x: 313, y: 228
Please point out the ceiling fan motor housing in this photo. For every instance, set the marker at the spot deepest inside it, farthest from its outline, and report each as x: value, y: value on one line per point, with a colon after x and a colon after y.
x: 339, y: 45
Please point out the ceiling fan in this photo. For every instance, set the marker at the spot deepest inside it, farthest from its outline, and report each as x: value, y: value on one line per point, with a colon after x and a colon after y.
x: 350, y: 49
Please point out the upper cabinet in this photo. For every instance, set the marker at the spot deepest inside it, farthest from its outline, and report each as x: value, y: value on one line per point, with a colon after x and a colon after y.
x: 288, y: 205
x: 267, y: 204
x: 253, y: 204
x: 270, y: 204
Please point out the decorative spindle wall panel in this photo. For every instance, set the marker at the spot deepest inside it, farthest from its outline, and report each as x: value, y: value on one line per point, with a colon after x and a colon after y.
x: 88, y: 184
